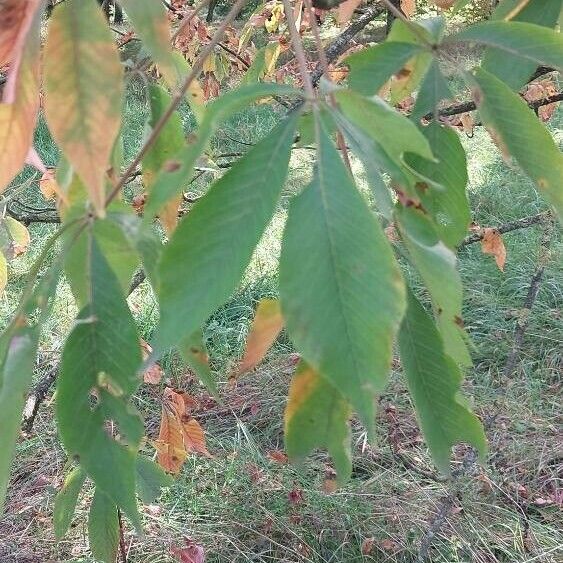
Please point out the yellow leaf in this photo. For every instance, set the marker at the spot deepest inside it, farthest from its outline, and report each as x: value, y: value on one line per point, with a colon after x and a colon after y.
x: 267, y: 324
x: 18, y: 111
x: 18, y: 235
x: 492, y: 243
x: 83, y: 91
x: 276, y: 17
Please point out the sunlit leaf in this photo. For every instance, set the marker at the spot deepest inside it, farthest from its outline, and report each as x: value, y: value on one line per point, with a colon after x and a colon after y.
x: 341, y: 289
x: 514, y: 124
x: 103, y: 528
x: 317, y: 416
x: 83, y: 91
x: 221, y: 230
x: 370, y: 68
x: 65, y: 501
x: 434, y: 384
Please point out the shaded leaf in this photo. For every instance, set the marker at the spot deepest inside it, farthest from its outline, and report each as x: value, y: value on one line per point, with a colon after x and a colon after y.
x: 102, y: 356
x: 169, y: 142
x: 514, y: 124
x: 434, y: 384
x: 492, y: 244
x: 170, y: 182
x: 266, y: 326
x: 194, y: 353
x: 437, y: 265
x: 17, y: 355
x: 83, y: 91
x: 65, y: 501
x: 223, y: 229
x: 342, y: 324
x: 317, y: 416
x: 103, y: 528
x: 151, y: 479
x: 433, y: 90
x: 445, y: 197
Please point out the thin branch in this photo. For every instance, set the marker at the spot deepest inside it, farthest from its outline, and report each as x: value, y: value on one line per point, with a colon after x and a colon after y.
x: 298, y: 50
x: 177, y: 99
x: 510, y: 226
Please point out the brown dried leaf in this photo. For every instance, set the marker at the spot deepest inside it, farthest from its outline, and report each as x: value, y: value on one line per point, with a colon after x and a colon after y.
x: 367, y: 546
x: 467, y: 123
x: 154, y: 374
x: 192, y: 553
x: 278, y: 456
x: 408, y: 7
x: 346, y: 10
x: 492, y: 243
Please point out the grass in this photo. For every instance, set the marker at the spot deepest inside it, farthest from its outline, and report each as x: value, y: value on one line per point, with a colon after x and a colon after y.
x: 242, y: 505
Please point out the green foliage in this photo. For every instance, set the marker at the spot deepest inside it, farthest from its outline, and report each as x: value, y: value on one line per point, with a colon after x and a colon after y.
x: 434, y: 380
x: 342, y: 291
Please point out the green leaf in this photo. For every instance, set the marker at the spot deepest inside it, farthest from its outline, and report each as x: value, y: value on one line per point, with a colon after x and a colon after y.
x: 65, y: 502
x: 194, y: 353
x: 393, y: 134
x: 103, y: 528
x: 170, y: 182
x: 511, y: 69
x: 445, y: 198
x: 341, y: 289
x: 168, y: 144
x: 317, y: 416
x: 437, y: 265
x: 433, y: 90
x: 434, y: 384
x: 18, y: 348
x: 151, y: 479
x: 221, y: 231
x: 519, y: 48
x: 150, y: 20
x: 102, y: 354
x: 118, y: 252
x: 370, y: 68
x: 517, y: 130
x: 83, y: 91
x: 3, y: 272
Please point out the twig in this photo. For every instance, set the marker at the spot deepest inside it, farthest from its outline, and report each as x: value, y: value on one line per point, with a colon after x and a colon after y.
x: 533, y: 290
x: 510, y: 226
x: 35, y: 398
x: 177, y: 99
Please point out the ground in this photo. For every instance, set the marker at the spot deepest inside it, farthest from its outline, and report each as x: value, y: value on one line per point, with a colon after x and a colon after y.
x: 246, y: 504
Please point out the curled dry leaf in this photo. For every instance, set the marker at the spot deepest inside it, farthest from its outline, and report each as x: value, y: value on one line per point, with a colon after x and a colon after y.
x: 180, y: 433
x: 154, y: 373
x: 367, y: 546
x: 492, y: 243
x: 191, y: 553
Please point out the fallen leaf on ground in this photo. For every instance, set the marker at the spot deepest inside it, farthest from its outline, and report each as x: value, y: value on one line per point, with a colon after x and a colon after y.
x: 154, y: 373
x: 192, y: 553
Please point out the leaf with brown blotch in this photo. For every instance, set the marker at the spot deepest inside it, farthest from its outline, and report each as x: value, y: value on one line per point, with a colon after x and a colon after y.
x: 180, y: 434
x: 83, y: 91
x: 346, y: 10
x: 192, y: 553
x: 492, y: 243
x: 18, y: 110
x: 267, y: 324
